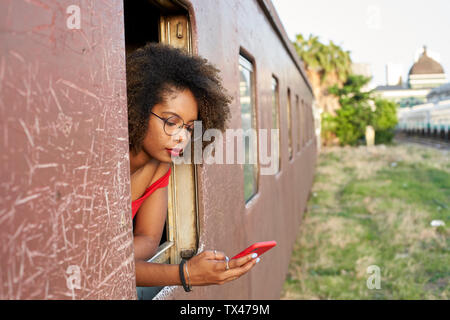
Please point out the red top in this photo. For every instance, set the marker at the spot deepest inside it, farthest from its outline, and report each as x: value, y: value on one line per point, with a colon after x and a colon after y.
x: 160, y: 183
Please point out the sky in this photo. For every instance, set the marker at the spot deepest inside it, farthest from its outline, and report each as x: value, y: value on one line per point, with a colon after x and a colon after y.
x: 376, y: 32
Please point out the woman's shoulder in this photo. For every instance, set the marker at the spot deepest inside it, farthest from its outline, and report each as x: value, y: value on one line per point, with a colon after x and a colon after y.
x: 159, y: 172
x: 142, y: 180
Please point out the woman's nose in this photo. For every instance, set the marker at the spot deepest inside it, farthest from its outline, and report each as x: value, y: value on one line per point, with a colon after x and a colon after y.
x: 181, y: 136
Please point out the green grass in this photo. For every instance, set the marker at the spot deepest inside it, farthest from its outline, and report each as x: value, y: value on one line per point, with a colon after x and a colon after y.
x: 373, y: 206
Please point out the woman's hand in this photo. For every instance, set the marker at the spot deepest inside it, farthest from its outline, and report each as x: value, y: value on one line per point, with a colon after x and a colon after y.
x: 210, y: 267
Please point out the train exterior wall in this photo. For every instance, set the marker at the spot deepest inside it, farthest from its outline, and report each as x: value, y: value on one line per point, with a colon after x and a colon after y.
x: 65, y: 186
x: 65, y: 191
x: 220, y: 29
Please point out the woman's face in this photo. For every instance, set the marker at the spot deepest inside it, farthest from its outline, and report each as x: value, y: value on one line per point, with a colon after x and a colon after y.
x: 157, y: 144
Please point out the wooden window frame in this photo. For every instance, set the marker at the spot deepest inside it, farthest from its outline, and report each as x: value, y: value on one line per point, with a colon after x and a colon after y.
x: 182, y: 227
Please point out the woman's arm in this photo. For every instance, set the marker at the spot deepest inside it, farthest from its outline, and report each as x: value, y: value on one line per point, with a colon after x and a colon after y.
x: 156, y: 274
x: 206, y: 268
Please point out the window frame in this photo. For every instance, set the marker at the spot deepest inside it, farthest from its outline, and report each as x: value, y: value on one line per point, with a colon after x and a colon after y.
x: 276, y: 105
x: 182, y: 223
x: 299, y: 126
x: 289, y: 124
x: 303, y: 122
x: 247, y: 62
x: 182, y: 227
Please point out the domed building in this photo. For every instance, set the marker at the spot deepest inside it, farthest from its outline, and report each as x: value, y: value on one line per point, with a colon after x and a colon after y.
x: 424, y: 75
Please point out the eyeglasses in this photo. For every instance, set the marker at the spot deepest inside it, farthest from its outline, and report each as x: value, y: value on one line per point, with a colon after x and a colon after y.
x: 174, y: 124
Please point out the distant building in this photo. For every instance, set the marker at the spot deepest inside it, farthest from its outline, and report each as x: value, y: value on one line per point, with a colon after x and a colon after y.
x: 424, y: 75
x: 440, y: 93
x: 431, y: 118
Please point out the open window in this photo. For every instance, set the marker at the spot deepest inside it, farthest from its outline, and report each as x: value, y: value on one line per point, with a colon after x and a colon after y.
x: 276, y: 117
x: 167, y: 21
x: 303, y: 123
x: 289, y: 123
x: 299, y: 126
x: 310, y: 119
x: 249, y: 127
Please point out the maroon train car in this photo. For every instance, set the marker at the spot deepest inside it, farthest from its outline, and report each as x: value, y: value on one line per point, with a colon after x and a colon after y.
x: 65, y: 211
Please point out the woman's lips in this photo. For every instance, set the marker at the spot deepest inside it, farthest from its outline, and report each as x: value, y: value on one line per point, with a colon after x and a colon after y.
x: 174, y: 152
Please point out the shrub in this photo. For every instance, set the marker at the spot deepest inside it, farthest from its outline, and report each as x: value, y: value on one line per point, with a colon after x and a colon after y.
x: 384, y: 120
x: 356, y: 113
x: 328, y: 128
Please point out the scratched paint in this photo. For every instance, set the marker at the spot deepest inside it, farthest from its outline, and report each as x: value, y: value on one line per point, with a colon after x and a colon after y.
x: 64, y: 186
x: 65, y: 223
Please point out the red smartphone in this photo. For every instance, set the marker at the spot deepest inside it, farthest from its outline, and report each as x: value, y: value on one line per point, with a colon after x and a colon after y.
x: 259, y: 248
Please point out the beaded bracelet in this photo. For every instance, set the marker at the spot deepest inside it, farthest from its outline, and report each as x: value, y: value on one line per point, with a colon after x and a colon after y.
x: 186, y: 287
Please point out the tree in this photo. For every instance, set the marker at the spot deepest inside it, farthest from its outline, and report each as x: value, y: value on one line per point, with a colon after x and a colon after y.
x: 384, y: 120
x: 325, y: 66
x: 360, y: 109
x: 324, y: 59
x: 356, y: 111
x: 347, y: 107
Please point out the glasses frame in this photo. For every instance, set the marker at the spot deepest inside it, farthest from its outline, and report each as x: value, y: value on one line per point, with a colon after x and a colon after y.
x: 184, y: 126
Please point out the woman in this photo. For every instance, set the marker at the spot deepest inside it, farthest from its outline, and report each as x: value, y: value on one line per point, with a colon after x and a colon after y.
x: 167, y: 91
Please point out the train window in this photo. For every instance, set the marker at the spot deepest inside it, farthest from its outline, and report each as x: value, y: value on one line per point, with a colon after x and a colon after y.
x: 310, y: 122
x: 276, y: 117
x: 248, y: 116
x: 311, y: 116
x: 307, y: 123
x: 299, y: 127
x: 167, y: 22
x: 303, y: 122
x: 289, y: 122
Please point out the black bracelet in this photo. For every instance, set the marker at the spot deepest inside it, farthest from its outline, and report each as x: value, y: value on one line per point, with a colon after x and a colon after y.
x: 183, y: 280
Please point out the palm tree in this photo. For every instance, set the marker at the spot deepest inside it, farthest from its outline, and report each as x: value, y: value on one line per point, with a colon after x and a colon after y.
x: 324, y: 59
x: 326, y: 65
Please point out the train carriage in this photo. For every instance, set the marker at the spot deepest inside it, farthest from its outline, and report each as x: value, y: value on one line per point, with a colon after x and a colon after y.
x: 65, y: 215
x: 431, y: 119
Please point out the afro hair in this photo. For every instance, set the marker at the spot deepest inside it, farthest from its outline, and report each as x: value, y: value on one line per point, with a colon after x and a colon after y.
x: 155, y: 71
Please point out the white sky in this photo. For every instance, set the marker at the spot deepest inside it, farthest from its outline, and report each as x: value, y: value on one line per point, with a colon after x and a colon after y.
x: 376, y: 32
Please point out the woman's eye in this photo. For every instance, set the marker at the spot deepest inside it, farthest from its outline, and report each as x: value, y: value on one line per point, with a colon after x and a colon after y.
x: 171, y: 124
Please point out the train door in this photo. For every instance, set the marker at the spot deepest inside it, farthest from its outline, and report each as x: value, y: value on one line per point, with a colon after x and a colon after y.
x: 167, y: 22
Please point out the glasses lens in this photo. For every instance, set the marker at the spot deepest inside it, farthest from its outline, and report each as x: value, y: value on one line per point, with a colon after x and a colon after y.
x: 173, y: 125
